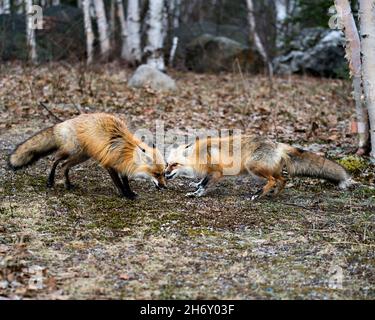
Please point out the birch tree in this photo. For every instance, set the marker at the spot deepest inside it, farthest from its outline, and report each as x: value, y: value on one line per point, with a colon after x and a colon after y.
x: 154, y: 49
x: 367, y: 25
x: 353, y: 54
x: 5, y: 8
x: 131, y: 50
x: 257, y: 41
x: 102, y: 23
x: 281, y: 15
x: 18, y: 6
x: 88, y: 30
x: 30, y: 31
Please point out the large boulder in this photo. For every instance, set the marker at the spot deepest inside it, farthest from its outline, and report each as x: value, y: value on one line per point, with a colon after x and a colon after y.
x: 315, y: 51
x: 148, y: 76
x: 208, y: 53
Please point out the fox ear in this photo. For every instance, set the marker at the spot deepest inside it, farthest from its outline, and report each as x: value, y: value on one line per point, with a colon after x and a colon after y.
x: 187, y: 149
x: 143, y: 156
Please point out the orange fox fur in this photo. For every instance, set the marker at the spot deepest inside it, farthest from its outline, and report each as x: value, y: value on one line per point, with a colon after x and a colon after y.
x: 100, y: 136
x: 260, y: 156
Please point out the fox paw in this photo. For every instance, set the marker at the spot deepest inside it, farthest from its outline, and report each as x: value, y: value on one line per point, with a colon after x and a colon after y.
x: 255, y: 197
x: 69, y: 186
x: 194, y: 185
x: 131, y: 196
x: 200, y: 192
x: 50, y: 184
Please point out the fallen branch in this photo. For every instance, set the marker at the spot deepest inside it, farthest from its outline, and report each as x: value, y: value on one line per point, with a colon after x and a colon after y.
x: 50, y: 112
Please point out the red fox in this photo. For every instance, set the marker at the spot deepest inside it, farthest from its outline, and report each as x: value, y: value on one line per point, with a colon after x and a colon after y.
x: 264, y: 158
x: 100, y: 136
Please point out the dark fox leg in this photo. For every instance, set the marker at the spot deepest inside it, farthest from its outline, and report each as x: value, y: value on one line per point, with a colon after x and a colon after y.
x: 51, y: 178
x: 207, y: 181
x: 126, y: 188
x: 124, y: 191
x: 116, y: 180
x: 71, y: 162
x: 196, y: 185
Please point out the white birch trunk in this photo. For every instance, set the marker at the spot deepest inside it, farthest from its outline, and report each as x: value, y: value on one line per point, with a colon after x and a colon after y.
x: 175, y: 11
x: 281, y: 15
x: 173, y: 51
x: 88, y: 30
x: 367, y: 22
x: 353, y: 54
x: 101, y: 20
x: 132, y: 46
x: 257, y: 41
x: 155, y: 34
x: 6, y: 6
x: 30, y: 31
x: 19, y: 6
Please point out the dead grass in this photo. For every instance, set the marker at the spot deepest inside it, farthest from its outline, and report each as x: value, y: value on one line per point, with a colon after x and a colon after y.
x: 88, y: 243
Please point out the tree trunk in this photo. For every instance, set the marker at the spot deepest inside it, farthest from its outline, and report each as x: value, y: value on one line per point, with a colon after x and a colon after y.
x: 55, y: 2
x: 257, y: 41
x: 154, y: 49
x: 353, y: 54
x: 88, y: 30
x: 102, y: 28
x: 112, y: 24
x: 367, y: 22
x: 18, y: 6
x: 6, y: 7
x: 176, y: 12
x: 132, y: 46
x: 124, y: 35
x: 30, y: 31
x: 281, y: 15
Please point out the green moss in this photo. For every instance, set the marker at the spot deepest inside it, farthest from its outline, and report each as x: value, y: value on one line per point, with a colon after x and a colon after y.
x: 353, y: 163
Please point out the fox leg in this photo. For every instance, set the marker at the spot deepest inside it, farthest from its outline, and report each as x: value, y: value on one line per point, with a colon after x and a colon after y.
x: 266, y: 189
x: 116, y: 180
x: 58, y: 158
x: 207, y: 181
x: 126, y: 188
x: 281, y: 185
x: 71, y: 162
x: 196, y: 185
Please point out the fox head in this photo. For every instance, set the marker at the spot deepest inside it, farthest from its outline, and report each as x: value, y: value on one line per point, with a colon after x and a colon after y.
x: 178, y: 162
x: 150, y: 164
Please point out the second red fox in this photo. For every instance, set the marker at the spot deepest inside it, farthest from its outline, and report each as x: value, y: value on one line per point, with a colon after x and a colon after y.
x: 100, y: 136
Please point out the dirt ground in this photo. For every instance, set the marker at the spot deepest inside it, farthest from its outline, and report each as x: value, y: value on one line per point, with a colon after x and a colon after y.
x: 312, y: 242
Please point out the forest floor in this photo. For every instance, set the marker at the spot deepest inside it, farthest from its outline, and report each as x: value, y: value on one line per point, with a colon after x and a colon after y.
x: 312, y: 242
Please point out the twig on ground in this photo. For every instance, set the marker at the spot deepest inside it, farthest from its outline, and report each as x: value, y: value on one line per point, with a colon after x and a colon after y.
x: 50, y: 112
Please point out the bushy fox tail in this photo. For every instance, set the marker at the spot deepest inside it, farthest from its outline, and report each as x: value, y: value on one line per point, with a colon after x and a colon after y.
x: 303, y: 163
x: 34, y: 148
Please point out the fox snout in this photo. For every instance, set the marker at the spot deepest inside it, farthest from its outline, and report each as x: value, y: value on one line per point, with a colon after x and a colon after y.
x: 160, y: 183
x: 170, y: 174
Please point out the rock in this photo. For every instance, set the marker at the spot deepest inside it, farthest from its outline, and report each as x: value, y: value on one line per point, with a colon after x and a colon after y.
x: 149, y: 76
x: 315, y: 51
x: 208, y: 53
